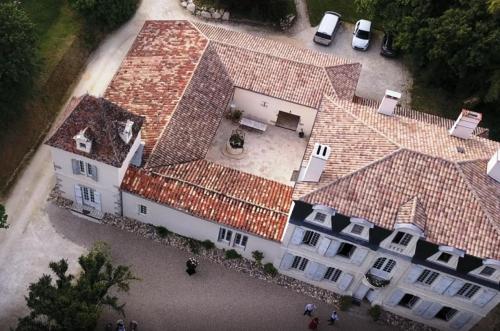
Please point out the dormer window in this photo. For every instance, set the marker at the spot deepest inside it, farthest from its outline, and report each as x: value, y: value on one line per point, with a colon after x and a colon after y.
x: 487, y: 271
x: 83, y: 146
x: 444, y: 257
x: 82, y: 141
x: 320, y: 217
x: 402, y: 238
x: 357, y: 229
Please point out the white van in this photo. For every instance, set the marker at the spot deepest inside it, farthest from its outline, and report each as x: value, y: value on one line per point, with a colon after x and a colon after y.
x: 327, y: 28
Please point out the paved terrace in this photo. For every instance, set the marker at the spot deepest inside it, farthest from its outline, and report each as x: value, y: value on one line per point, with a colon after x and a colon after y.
x: 273, y: 154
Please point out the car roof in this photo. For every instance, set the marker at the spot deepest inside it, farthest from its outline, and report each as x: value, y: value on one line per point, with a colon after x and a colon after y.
x: 328, y: 22
x: 365, y: 25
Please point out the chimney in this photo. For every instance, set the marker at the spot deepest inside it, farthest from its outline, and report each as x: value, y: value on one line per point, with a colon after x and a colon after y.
x: 126, y: 132
x: 493, y: 168
x: 389, y: 102
x: 465, y: 124
x: 312, y: 172
x: 83, y: 142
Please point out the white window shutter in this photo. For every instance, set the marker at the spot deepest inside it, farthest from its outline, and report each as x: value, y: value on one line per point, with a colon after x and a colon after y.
x: 359, y: 255
x: 421, y: 307
x: 311, y: 269
x: 460, y: 320
x: 320, y: 272
x: 333, y: 248
x: 78, y: 195
x: 323, y: 245
x: 432, y: 310
x: 395, y: 297
x: 286, y: 261
x: 94, y: 172
x: 442, y: 284
x: 97, y: 199
x: 76, y: 166
x: 297, y: 236
x: 485, y: 296
x: 412, y: 275
x: 454, y: 287
x: 344, y: 281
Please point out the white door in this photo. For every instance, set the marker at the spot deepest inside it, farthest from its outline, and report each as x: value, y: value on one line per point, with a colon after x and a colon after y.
x: 91, y: 198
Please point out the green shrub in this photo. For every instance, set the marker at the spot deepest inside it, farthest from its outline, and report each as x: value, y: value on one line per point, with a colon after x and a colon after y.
x: 345, y: 302
x: 270, y: 270
x: 108, y: 14
x: 232, y: 254
x: 375, y: 312
x: 272, y: 11
x: 258, y: 256
x: 207, y: 244
x: 162, y: 231
x: 194, y: 245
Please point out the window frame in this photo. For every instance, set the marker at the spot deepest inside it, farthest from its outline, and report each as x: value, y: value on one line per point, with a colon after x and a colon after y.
x: 311, y: 238
x: 242, y: 241
x: 403, y: 240
x: 299, y: 263
x: 143, y: 209
x: 448, y: 315
x: 357, y: 227
x: 444, y: 257
x: 429, y: 277
x: 83, y: 167
x: 468, y: 290
x: 410, y: 302
x: 322, y: 217
x: 488, y: 273
x: 351, y: 250
x: 332, y: 274
x: 224, y: 234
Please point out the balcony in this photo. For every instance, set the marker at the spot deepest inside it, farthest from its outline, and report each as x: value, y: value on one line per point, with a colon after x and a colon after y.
x: 376, y: 281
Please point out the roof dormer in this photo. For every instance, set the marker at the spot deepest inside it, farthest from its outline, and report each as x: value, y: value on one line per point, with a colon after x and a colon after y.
x: 358, y: 228
x: 125, y: 131
x: 489, y: 270
x: 83, y: 140
x: 447, y: 256
x: 321, y: 215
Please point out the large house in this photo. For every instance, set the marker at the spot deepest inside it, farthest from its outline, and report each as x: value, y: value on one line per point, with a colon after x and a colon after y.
x: 368, y: 199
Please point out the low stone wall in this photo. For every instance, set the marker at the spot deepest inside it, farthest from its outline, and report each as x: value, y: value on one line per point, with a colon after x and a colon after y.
x: 205, y: 12
x: 242, y: 265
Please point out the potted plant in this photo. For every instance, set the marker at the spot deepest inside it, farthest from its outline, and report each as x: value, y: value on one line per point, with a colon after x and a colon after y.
x: 235, y: 115
x: 236, y: 142
x: 301, y: 133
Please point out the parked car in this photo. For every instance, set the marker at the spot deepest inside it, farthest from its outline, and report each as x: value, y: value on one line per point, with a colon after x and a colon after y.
x: 387, y: 48
x: 361, y: 35
x: 327, y: 28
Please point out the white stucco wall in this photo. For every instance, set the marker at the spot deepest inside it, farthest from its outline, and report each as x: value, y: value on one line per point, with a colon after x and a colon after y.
x: 193, y: 227
x: 251, y: 105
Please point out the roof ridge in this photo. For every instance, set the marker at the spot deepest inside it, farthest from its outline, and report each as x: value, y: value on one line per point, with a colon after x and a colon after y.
x: 217, y: 192
x: 153, y: 150
x: 476, y: 197
x: 352, y: 174
x: 329, y: 81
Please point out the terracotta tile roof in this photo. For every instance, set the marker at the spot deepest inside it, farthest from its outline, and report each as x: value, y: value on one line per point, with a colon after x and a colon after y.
x: 201, y: 189
x: 344, y: 79
x: 385, y: 165
x: 412, y: 212
x: 101, y: 121
x: 153, y: 76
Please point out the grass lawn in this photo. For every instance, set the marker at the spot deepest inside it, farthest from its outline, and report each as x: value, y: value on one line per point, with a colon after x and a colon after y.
x: 61, y: 54
x: 346, y: 8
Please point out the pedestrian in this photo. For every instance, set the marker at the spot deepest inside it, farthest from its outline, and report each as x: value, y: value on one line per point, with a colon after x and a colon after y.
x: 308, y: 310
x: 334, y: 317
x: 191, y: 265
x: 313, y: 325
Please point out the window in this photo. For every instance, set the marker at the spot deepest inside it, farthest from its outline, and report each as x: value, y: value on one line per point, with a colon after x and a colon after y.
x: 320, y: 217
x: 332, y: 274
x: 402, y: 238
x: 92, y: 196
x: 83, y: 145
x: 143, y: 209
x: 389, y: 266
x: 446, y: 313
x: 82, y: 167
x: 487, y: 271
x: 357, y: 229
x: 225, y: 235
x: 240, y: 240
x: 468, y: 290
x: 427, y: 277
x: 444, y: 257
x: 89, y: 170
x: 378, y: 264
x: 408, y: 300
x: 299, y: 263
x: 86, y: 195
x: 310, y: 238
x: 346, y: 250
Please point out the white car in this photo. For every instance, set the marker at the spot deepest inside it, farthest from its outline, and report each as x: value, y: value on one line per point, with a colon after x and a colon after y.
x: 361, y: 35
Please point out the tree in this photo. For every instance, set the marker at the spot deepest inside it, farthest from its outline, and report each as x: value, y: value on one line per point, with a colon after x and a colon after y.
x: 75, y: 303
x: 3, y: 218
x: 108, y: 14
x: 17, y: 53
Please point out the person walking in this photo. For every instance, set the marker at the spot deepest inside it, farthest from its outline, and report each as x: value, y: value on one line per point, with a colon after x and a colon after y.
x: 334, y: 317
x: 308, y: 310
x: 313, y: 325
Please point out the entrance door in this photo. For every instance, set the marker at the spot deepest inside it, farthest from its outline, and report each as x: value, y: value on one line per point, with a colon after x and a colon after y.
x: 288, y: 121
x: 88, y: 197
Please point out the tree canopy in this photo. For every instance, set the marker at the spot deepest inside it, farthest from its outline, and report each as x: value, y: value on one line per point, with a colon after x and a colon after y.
x: 17, y: 53
x: 75, y: 302
x: 107, y: 14
x: 3, y: 218
x: 455, y: 43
